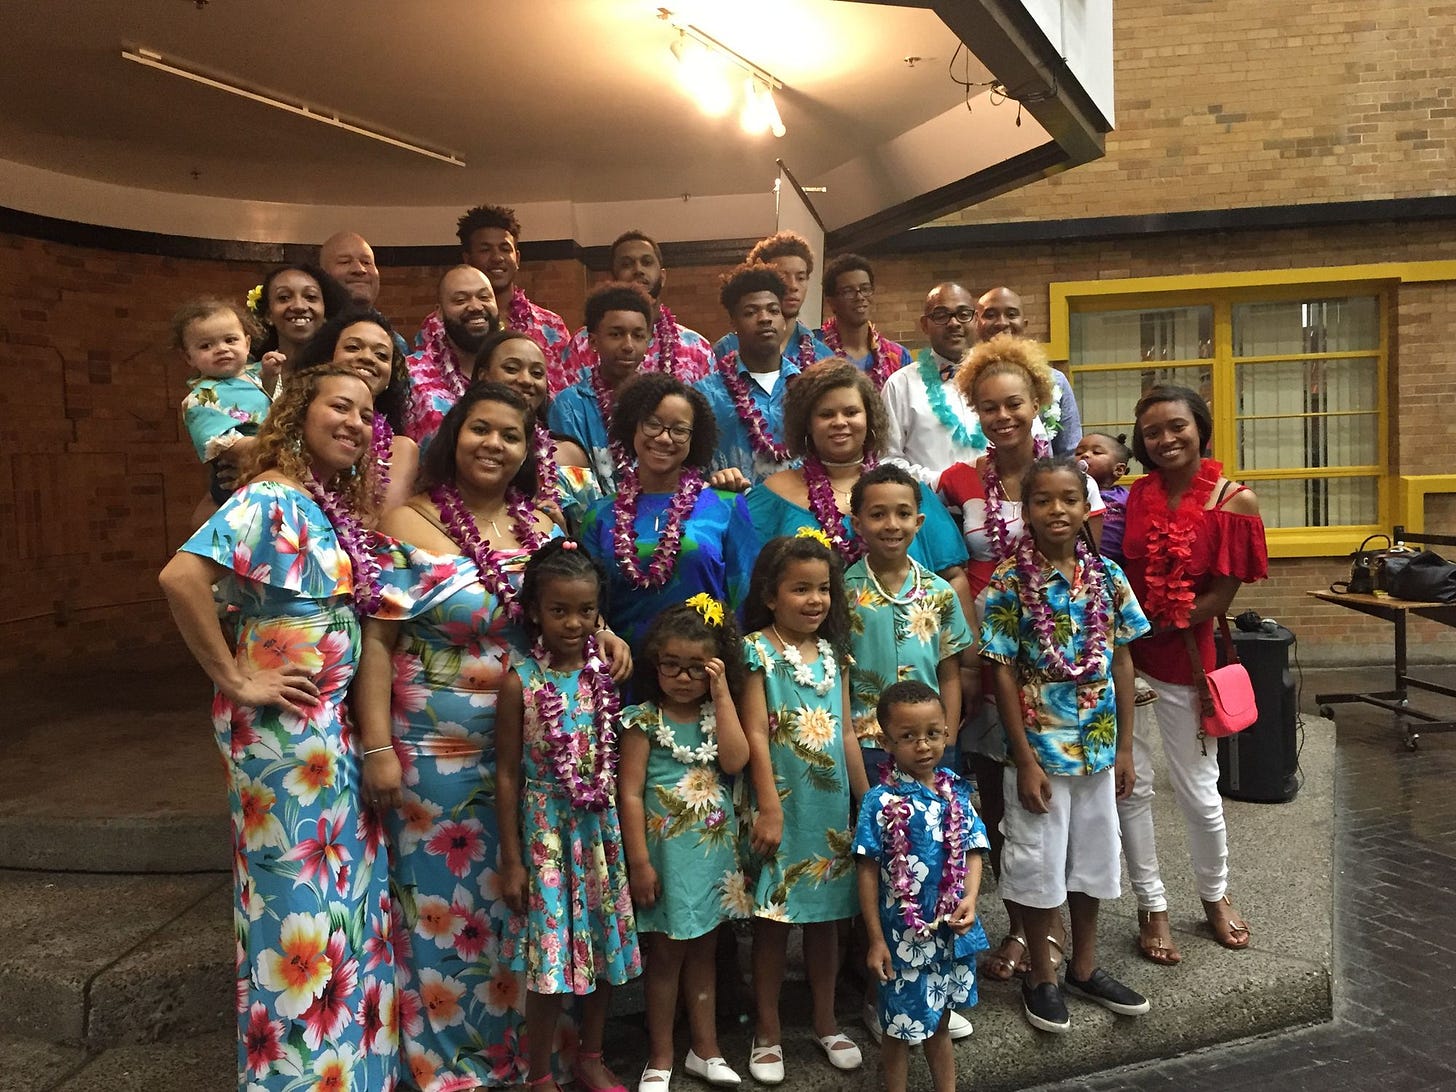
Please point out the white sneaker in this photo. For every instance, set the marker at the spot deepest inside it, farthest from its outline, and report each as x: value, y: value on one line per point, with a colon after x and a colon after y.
x: 958, y: 1027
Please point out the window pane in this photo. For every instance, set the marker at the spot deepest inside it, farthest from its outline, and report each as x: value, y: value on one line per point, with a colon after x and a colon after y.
x: 1105, y: 399
x: 1287, y: 443
x: 1311, y: 386
x: 1306, y: 326
x: 1318, y: 502
x: 1121, y: 337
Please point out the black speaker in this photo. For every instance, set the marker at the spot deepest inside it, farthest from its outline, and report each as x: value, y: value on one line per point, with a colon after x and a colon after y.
x: 1261, y: 763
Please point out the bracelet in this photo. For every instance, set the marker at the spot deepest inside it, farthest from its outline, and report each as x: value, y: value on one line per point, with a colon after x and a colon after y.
x: 376, y: 750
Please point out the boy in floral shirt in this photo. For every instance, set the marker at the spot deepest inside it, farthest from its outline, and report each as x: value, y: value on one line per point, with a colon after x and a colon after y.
x: 918, y: 847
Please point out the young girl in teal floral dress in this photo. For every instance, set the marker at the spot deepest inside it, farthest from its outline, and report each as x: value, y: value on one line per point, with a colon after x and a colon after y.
x: 563, y: 872
x: 803, y: 766
x: 678, y: 823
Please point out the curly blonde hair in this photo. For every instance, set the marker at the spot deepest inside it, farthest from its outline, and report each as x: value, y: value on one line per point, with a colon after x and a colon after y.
x: 1007, y: 354
x: 812, y: 384
x: 280, y: 441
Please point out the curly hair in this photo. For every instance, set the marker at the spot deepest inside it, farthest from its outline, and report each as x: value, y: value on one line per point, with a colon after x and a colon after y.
x: 1007, y: 354
x: 280, y: 441
x: 205, y: 307
x: 884, y: 474
x: 812, y: 384
x: 746, y: 279
x: 904, y: 692
x: 845, y: 263
x: 768, y: 572
x: 616, y: 296
x: 643, y: 393
x: 782, y: 244
x: 335, y: 296
x: 487, y: 216
x: 1168, y: 392
x: 559, y: 559
x: 438, y: 464
x: 687, y: 623
x: 320, y: 349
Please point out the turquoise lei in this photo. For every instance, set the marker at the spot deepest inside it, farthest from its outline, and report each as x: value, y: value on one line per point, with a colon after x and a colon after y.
x: 935, y: 392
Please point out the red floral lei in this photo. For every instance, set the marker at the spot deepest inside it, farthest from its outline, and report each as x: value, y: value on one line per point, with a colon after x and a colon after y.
x: 879, y: 369
x: 1168, y: 599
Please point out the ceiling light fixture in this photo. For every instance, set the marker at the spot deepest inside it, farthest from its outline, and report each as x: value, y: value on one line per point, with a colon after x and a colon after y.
x: 702, y: 60
x: 152, y: 59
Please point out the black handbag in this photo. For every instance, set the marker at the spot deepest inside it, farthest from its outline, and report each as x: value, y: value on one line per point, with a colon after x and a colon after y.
x: 1368, y: 567
x: 1426, y: 577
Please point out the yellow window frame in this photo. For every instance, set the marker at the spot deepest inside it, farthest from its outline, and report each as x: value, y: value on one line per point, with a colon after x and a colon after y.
x: 1222, y: 291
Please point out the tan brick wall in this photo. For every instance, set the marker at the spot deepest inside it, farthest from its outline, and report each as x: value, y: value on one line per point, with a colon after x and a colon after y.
x: 1247, y: 102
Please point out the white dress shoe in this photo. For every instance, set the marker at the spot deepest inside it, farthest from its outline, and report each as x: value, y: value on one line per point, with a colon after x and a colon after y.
x: 713, y: 1070
x: 841, y: 1051
x: 654, y: 1080
x: 766, y: 1072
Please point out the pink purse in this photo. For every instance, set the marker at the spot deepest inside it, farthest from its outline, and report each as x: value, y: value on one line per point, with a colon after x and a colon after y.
x: 1226, y: 694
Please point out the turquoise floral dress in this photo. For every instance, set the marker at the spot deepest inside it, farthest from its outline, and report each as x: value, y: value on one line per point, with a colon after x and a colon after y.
x: 578, y: 926
x: 315, y: 960
x: 811, y: 876
x: 691, y: 834
x: 461, y: 1007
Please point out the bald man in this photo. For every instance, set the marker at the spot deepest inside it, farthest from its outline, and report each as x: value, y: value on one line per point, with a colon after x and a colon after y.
x: 440, y: 371
x: 999, y: 312
x: 349, y: 257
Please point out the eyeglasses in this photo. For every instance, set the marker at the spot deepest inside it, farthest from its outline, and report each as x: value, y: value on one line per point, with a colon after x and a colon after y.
x: 856, y: 291
x: 669, y: 670
x: 934, y: 735
x: 942, y: 315
x: 680, y: 434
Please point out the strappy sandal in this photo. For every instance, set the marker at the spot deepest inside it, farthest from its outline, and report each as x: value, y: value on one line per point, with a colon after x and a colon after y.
x: 1000, y: 967
x: 1234, y: 933
x: 1157, y: 949
x: 1061, y: 955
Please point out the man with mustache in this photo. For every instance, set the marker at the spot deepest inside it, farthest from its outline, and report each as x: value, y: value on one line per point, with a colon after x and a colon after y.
x: 440, y: 370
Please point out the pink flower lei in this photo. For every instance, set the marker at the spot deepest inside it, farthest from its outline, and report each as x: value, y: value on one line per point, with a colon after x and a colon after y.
x: 488, y: 562
x: 520, y: 319
x: 879, y: 369
x: 1054, y: 659
x: 357, y: 543
x: 759, y: 436
x: 604, y: 405
x: 587, y: 770
x: 665, y: 334
x: 903, y: 884
x: 1001, y: 544
x: 826, y: 511
x: 381, y: 450
x: 624, y: 536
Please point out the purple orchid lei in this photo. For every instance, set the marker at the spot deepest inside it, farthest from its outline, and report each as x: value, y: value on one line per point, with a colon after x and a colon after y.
x: 996, y: 534
x: 604, y: 406
x: 759, y: 436
x: 826, y: 511
x: 548, y: 474
x: 624, y: 536
x: 356, y: 541
x: 806, y: 351
x: 879, y: 369
x: 381, y: 452
x: 665, y: 334
x: 573, y: 752
x: 903, y: 884
x: 488, y: 562
x: 519, y: 319
x: 1054, y: 660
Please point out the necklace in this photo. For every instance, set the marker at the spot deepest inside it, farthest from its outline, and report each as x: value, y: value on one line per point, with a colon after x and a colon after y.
x: 826, y: 510
x: 548, y: 474
x: 703, y: 753
x: 1168, y: 598
x: 1089, y: 573
x: 663, y: 560
x: 760, y: 438
x: 803, y: 674
x: 806, y: 350
x: 879, y: 370
x: 917, y: 585
x: 585, y: 763
x: 356, y: 541
x: 960, y: 435
x: 996, y: 532
x: 381, y: 450
x: 489, y: 562
x: 903, y: 884
x: 665, y: 335
x: 520, y: 318
x: 604, y: 407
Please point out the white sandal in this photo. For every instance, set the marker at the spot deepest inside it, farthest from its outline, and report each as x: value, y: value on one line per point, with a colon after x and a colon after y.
x: 766, y: 1072
x: 714, y: 1070
x: 654, y: 1080
x: 841, y: 1056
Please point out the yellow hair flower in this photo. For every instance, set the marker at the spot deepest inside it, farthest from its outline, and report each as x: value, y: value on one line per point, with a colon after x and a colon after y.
x: 708, y: 607
x: 815, y: 533
x: 255, y: 297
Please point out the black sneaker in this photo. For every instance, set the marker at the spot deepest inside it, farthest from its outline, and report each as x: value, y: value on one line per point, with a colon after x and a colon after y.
x: 1108, y: 992
x: 1045, y: 1008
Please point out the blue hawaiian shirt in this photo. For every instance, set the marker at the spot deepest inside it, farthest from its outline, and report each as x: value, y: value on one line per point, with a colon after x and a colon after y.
x: 576, y: 416
x: 734, y: 448
x: 1071, y: 726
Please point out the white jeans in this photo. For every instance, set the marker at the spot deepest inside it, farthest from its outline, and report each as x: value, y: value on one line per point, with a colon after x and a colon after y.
x: 1194, y: 777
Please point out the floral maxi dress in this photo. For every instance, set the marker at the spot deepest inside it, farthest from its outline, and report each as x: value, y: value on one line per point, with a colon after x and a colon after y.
x: 315, y: 964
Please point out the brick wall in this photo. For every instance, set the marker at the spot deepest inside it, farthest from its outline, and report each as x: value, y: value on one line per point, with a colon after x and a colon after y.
x: 1246, y: 102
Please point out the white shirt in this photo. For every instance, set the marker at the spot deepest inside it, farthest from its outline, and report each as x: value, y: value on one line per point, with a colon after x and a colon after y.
x: 916, y: 434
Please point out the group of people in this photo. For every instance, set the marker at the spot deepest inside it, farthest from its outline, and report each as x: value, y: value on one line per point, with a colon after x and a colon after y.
x: 495, y: 744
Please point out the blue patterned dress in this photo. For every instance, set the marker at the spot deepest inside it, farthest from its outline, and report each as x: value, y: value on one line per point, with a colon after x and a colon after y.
x: 315, y: 962
x: 578, y: 925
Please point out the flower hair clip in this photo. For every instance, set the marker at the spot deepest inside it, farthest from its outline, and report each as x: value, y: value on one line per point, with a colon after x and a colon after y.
x: 816, y: 534
x: 255, y: 297
x: 709, y: 608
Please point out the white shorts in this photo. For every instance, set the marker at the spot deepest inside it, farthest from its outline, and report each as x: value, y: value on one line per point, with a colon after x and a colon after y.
x: 1076, y: 846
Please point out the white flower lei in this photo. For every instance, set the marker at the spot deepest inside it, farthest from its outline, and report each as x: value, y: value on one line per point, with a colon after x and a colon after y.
x: 802, y: 675
x: 1051, y: 417
x: 704, y: 752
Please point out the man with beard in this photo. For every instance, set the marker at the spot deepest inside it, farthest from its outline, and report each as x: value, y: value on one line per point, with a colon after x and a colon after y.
x: 350, y: 258
x: 637, y: 259
x: 999, y: 312
x: 787, y: 252
x: 849, y: 289
x: 440, y: 370
x: 618, y: 323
